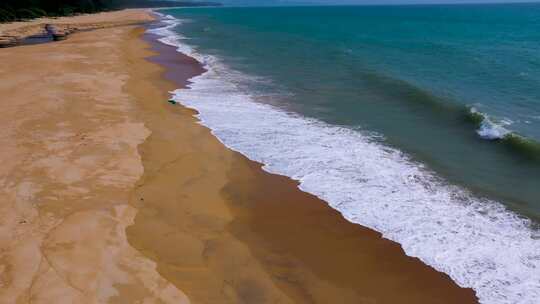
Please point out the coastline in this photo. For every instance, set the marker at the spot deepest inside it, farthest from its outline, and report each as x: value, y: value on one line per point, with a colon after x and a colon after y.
x: 253, y: 105
x: 116, y: 195
x: 284, y: 229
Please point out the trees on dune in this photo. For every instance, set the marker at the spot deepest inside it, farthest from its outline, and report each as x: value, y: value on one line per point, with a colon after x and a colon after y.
x: 12, y: 10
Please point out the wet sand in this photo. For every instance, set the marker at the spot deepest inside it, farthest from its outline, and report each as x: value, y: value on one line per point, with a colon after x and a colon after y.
x: 109, y: 194
x: 223, y: 230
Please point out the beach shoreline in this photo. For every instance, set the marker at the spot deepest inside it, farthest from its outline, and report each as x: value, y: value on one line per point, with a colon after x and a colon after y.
x: 251, y: 196
x: 112, y: 194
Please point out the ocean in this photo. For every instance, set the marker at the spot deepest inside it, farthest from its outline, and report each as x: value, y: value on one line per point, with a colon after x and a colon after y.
x: 420, y: 122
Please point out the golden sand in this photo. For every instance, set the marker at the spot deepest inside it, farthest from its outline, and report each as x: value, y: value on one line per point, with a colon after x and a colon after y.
x: 109, y: 194
x: 69, y: 155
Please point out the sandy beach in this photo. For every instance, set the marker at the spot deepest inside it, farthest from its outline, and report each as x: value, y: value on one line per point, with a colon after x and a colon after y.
x: 110, y: 194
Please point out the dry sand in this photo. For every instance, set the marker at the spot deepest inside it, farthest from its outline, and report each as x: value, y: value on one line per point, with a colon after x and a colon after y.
x: 109, y: 194
x: 69, y: 156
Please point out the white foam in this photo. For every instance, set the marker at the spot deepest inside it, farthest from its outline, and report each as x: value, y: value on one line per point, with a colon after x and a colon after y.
x: 475, y: 241
x: 489, y: 129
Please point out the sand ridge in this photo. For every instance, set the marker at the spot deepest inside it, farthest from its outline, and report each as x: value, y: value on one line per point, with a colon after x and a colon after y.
x: 23, y: 29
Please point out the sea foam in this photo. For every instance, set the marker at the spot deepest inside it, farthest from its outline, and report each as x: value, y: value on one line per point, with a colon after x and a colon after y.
x: 477, y: 242
x: 488, y: 129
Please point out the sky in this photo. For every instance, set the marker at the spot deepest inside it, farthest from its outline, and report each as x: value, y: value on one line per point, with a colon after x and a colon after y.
x: 270, y: 2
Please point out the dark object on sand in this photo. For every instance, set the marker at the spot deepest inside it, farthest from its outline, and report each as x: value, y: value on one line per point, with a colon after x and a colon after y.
x: 172, y: 101
x: 57, y: 33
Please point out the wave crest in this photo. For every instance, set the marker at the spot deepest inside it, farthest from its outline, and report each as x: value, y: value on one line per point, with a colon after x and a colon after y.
x: 486, y: 128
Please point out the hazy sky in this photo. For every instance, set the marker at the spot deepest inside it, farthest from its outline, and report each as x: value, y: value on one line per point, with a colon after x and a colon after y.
x: 266, y: 2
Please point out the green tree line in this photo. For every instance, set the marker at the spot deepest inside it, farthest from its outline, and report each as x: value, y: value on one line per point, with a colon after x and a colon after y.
x: 13, y: 10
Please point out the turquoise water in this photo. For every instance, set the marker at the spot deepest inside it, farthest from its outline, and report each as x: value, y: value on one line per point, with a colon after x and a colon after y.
x: 370, y: 109
x: 407, y: 73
